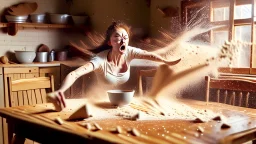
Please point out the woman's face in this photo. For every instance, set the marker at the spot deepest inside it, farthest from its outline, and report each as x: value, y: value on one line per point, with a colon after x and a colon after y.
x: 119, y: 40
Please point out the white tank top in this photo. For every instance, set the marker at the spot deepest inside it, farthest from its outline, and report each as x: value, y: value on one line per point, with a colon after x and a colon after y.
x: 103, y: 69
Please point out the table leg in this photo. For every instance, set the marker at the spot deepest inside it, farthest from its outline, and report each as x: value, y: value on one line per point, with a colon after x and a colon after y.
x: 10, y: 130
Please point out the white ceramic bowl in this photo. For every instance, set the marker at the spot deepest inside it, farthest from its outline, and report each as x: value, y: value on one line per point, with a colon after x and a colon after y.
x: 120, y: 97
x: 25, y: 56
x: 79, y: 20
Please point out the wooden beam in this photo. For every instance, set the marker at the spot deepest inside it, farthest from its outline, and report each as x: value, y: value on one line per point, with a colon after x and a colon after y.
x: 252, y: 35
x: 239, y: 22
x: 234, y: 70
x: 231, y: 20
x: 219, y: 4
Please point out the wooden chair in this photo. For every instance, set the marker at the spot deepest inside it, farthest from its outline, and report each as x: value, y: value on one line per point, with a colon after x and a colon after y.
x: 231, y: 84
x: 144, y: 73
x: 29, y: 91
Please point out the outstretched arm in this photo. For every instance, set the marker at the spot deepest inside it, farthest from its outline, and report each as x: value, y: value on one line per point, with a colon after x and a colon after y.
x: 154, y: 57
x: 57, y: 97
x: 74, y: 75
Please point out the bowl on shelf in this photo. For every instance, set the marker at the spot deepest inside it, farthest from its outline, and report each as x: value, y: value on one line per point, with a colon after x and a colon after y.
x: 59, y: 18
x: 16, y: 19
x: 37, y: 18
x: 79, y: 20
x: 25, y: 56
x: 120, y: 97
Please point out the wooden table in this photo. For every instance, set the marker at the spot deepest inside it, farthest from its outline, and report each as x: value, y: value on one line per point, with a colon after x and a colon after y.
x: 38, y: 123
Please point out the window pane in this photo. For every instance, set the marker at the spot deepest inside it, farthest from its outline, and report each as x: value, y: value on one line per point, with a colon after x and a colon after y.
x: 254, y: 52
x: 244, y: 56
x: 221, y: 14
x: 243, y: 11
x: 219, y: 37
x: 243, y: 34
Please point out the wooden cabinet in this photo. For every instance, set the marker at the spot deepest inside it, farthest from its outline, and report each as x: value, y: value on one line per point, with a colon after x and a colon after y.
x: 21, y: 72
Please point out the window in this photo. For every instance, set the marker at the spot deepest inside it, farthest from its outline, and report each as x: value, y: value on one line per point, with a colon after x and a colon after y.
x: 238, y: 19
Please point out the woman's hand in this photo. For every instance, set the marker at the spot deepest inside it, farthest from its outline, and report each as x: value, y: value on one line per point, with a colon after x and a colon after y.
x: 168, y: 62
x: 58, y: 99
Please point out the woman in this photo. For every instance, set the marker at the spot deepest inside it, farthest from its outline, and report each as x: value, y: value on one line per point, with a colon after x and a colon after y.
x: 112, y: 63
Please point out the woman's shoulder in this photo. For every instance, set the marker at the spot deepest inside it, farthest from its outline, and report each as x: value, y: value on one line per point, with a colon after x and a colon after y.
x: 102, y: 54
x: 132, y: 49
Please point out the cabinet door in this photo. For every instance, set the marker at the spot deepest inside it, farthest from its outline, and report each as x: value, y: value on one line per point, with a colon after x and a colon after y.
x: 55, y: 71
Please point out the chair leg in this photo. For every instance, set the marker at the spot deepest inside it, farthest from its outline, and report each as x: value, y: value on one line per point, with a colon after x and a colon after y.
x: 18, y: 140
x: 140, y: 86
x: 10, y: 128
x: 207, y: 91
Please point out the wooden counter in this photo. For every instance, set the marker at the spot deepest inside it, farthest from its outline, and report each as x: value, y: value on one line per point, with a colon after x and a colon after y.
x: 38, y: 123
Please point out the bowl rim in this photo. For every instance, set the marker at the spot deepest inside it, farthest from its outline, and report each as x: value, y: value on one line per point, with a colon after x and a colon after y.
x: 37, y: 14
x: 119, y: 91
x: 77, y: 16
x: 23, y: 51
x: 13, y: 16
x: 59, y: 14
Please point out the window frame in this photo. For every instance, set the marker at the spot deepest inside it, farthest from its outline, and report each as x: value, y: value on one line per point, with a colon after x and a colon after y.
x: 230, y: 25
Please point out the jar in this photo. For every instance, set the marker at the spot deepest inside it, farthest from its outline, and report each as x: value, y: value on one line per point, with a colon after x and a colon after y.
x: 51, y: 56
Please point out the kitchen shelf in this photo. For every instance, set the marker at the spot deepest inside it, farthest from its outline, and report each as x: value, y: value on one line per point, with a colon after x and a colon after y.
x: 12, y: 28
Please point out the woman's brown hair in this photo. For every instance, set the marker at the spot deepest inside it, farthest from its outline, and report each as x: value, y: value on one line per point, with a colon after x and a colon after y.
x: 111, y: 29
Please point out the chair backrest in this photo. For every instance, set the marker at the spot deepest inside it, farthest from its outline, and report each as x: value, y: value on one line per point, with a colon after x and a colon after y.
x: 29, y: 91
x: 231, y: 84
x: 144, y: 73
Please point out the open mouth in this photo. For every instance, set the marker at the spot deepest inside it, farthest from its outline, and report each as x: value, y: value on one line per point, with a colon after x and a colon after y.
x: 122, y: 48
